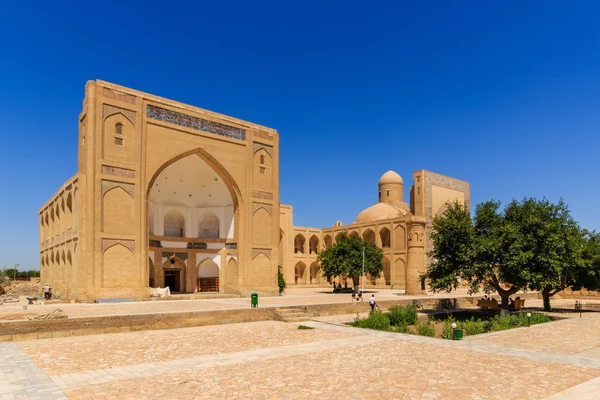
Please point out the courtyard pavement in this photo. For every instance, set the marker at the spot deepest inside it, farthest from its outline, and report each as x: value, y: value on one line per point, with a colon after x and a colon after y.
x: 274, y: 360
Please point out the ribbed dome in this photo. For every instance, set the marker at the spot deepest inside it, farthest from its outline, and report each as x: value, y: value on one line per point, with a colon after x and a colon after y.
x: 379, y: 211
x: 390, y: 177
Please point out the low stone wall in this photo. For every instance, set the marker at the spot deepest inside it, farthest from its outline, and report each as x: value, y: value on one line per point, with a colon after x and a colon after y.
x: 320, y: 310
x: 578, y: 294
x: 28, y: 330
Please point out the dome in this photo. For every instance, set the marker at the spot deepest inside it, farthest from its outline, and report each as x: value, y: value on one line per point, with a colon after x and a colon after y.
x: 391, y: 177
x: 379, y: 211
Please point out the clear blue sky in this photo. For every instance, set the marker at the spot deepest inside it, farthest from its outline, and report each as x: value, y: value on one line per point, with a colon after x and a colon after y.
x: 505, y: 95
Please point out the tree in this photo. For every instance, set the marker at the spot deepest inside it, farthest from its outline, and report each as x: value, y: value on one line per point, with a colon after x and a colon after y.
x: 280, y: 280
x: 4, y: 281
x: 345, y: 258
x: 528, y: 245
x: 551, y: 242
x: 472, y: 251
x: 586, y: 273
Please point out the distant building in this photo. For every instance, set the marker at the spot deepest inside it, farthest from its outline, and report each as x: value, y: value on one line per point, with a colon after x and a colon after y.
x: 168, y: 194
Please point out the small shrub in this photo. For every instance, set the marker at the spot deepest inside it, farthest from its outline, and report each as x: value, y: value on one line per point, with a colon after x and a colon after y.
x: 425, y: 328
x: 447, y: 331
x: 536, y: 318
x: 305, y: 327
x: 474, y: 327
x: 504, y: 322
x: 375, y: 320
x: 403, y: 328
x: 403, y: 315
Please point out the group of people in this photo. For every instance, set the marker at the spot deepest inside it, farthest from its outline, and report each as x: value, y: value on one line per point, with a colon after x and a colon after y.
x: 338, y: 286
x: 511, y: 302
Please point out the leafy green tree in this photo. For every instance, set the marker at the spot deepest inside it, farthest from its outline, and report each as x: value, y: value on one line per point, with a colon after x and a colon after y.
x: 529, y: 245
x: 345, y: 259
x: 473, y: 251
x: 551, y: 242
x: 21, y: 274
x: 586, y: 272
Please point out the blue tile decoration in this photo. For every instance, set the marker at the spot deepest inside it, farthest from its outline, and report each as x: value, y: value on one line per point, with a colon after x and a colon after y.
x: 200, y: 124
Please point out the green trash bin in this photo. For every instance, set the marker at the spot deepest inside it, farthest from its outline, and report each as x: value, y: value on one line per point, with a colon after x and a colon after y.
x: 458, y: 334
x: 254, y: 299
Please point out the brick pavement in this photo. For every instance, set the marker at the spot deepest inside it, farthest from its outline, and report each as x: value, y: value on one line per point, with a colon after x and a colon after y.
x: 276, y: 360
x: 572, y: 336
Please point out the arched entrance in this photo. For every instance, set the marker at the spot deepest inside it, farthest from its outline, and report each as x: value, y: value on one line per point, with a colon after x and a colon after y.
x: 192, y: 211
x: 174, y: 274
x: 208, y: 276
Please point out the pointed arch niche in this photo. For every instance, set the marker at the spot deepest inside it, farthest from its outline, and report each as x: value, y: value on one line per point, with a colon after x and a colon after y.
x: 199, y: 193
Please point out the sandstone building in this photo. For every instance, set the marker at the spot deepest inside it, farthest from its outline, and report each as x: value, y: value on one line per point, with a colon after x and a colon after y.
x: 167, y: 194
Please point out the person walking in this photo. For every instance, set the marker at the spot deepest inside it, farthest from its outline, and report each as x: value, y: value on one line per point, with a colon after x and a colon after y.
x: 46, y: 291
x: 372, y: 302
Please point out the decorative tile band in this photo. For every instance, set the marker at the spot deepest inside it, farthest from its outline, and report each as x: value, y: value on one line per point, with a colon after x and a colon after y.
x: 128, y: 173
x: 193, y: 245
x: 200, y: 124
x: 262, y: 195
x: 181, y: 256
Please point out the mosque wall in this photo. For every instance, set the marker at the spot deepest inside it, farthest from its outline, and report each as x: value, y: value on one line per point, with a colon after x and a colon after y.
x: 132, y: 235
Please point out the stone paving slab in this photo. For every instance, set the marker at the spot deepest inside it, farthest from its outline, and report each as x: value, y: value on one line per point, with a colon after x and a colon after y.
x: 85, y: 378
x: 582, y: 361
x: 381, y: 369
x: 572, y: 336
x: 21, y: 378
x: 67, y: 355
x: 589, y: 390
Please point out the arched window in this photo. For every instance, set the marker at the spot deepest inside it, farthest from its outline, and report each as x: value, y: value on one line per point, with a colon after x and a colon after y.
x: 174, y: 224
x: 262, y: 160
x: 313, y: 244
x: 299, y: 244
x: 209, y: 226
x: 119, y: 141
x: 385, y: 237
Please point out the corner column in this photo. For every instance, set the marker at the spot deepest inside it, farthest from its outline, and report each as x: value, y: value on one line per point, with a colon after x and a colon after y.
x: 416, y: 263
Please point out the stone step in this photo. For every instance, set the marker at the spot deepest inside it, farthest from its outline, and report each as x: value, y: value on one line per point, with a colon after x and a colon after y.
x: 293, y: 314
x: 289, y: 310
x: 296, y: 314
x: 299, y: 319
